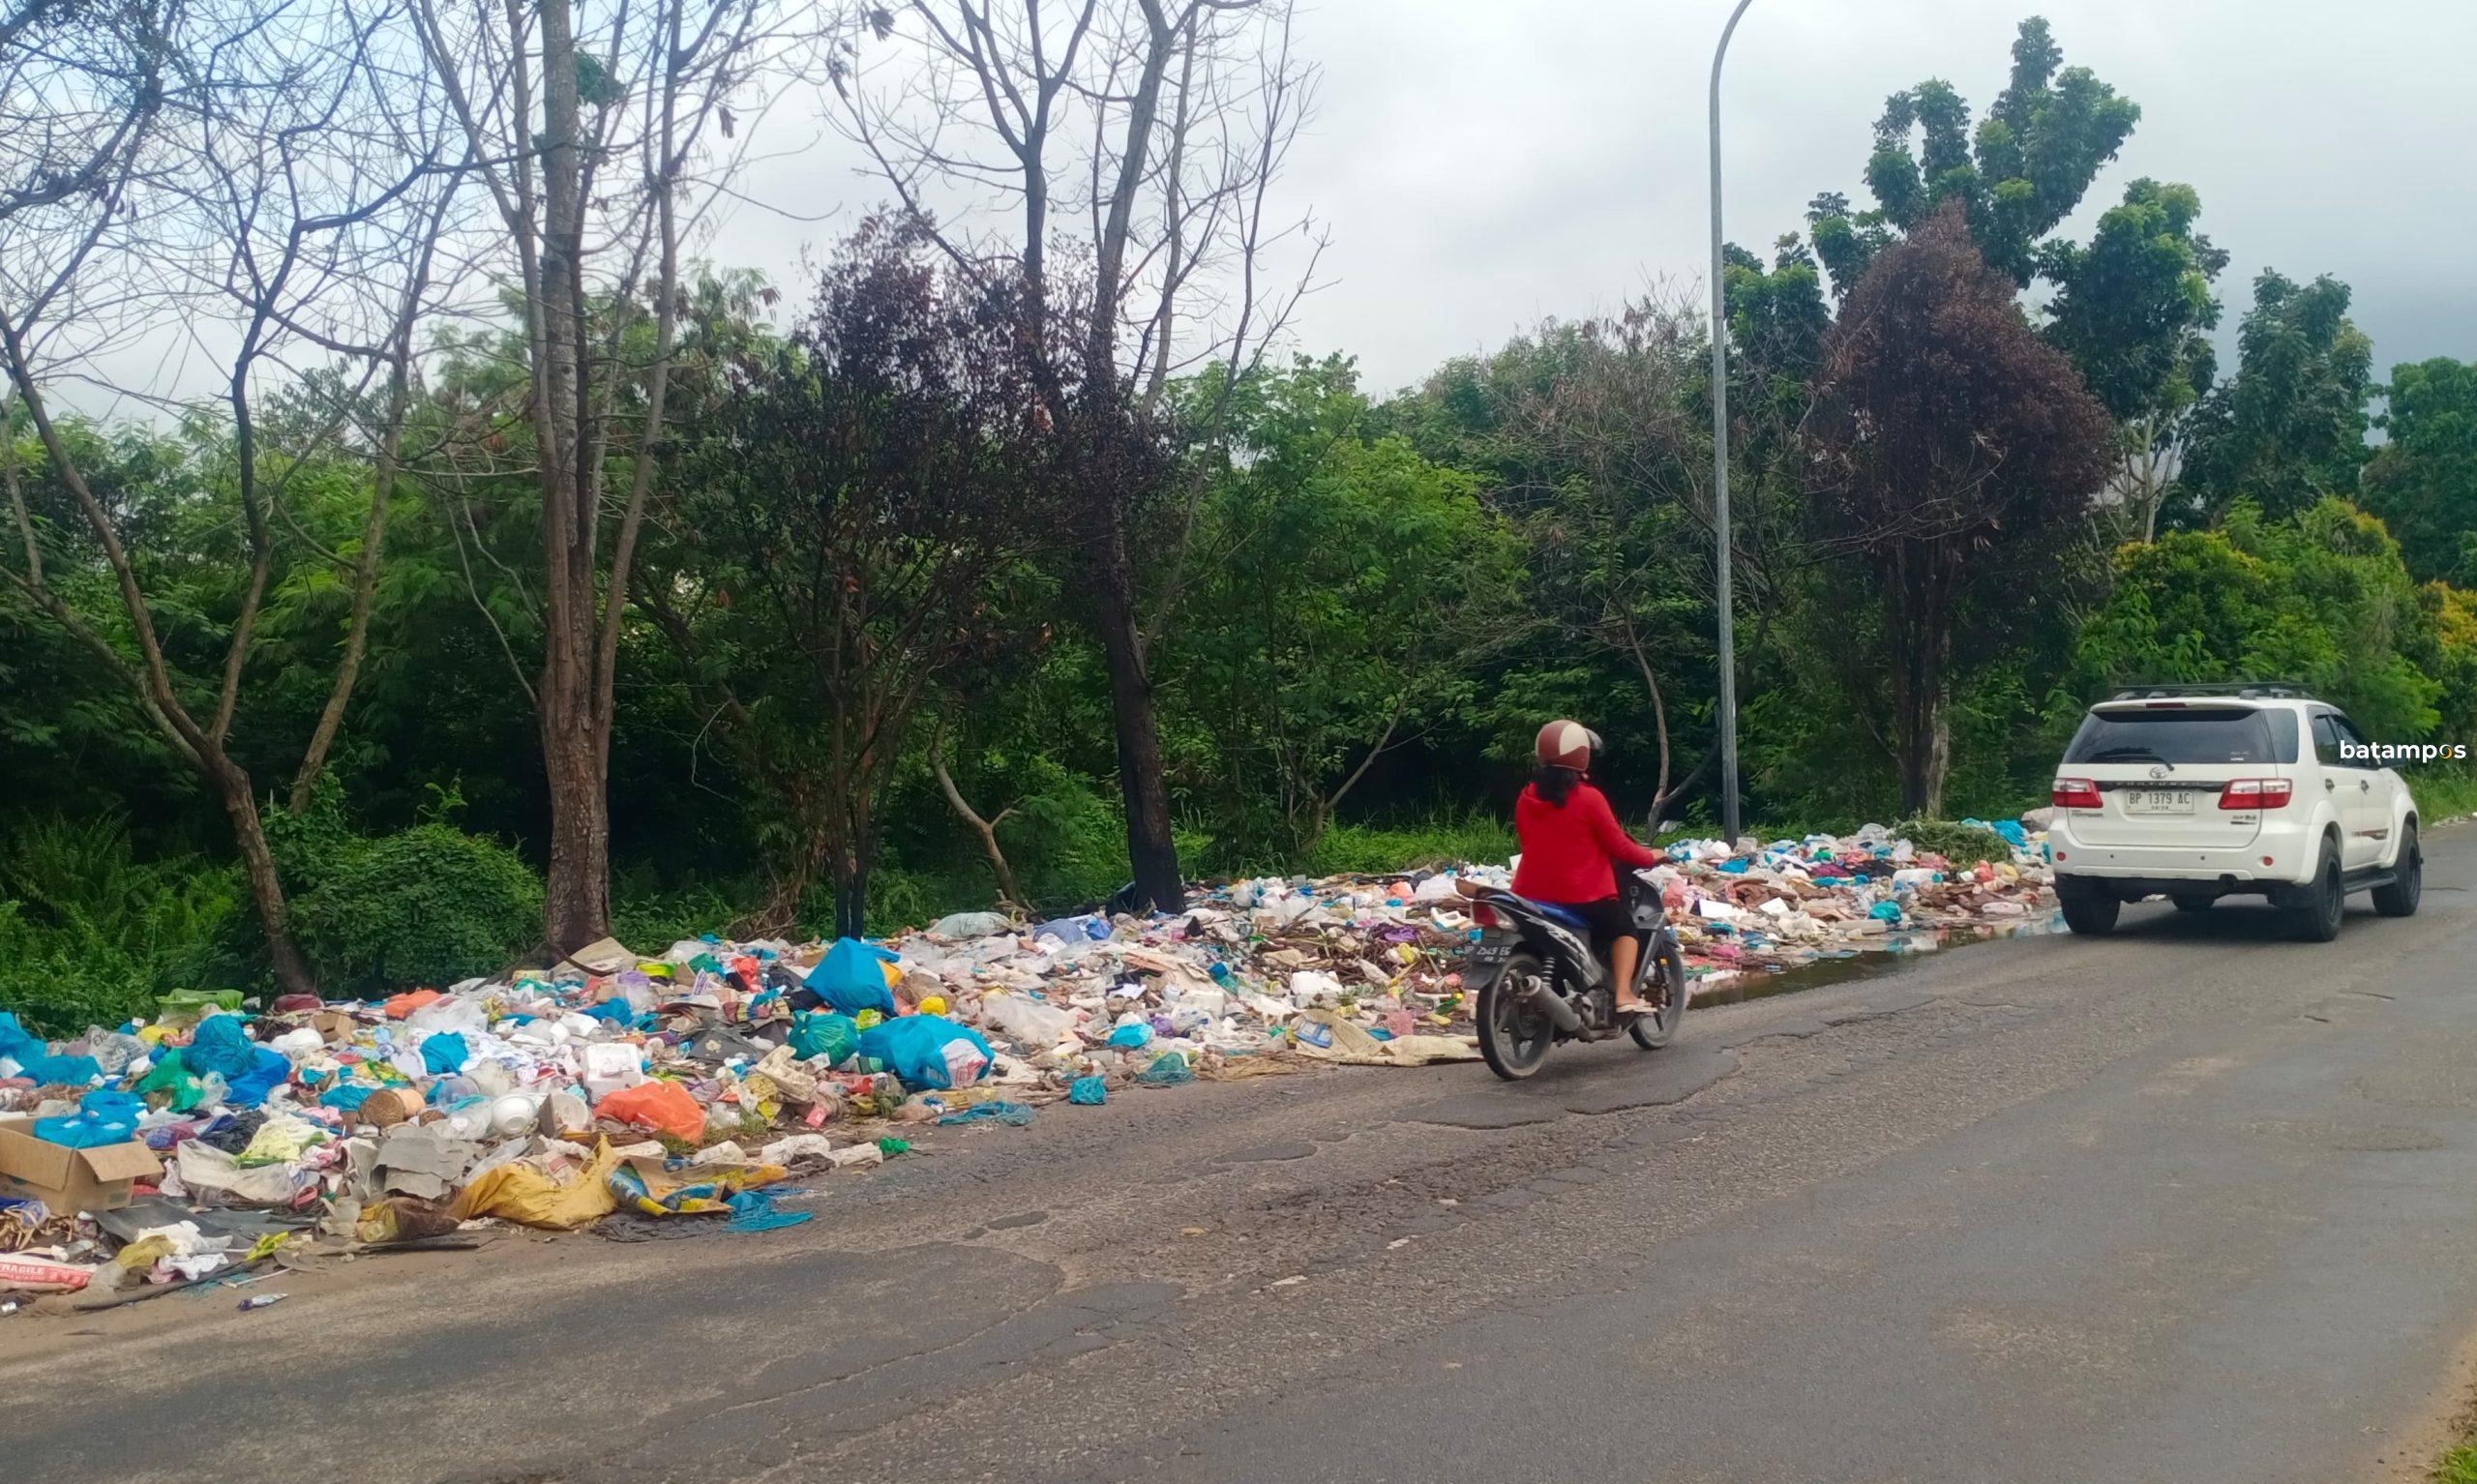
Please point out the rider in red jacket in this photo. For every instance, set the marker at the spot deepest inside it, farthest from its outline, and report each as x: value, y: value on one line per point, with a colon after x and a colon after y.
x: 1572, y: 848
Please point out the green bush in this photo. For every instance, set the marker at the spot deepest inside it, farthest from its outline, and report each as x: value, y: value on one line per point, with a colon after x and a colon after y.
x: 428, y: 905
x: 90, y: 936
x: 1964, y: 845
x: 649, y: 919
x: 1362, y: 850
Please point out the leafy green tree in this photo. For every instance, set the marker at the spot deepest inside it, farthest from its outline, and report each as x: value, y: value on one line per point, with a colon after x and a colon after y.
x: 2289, y: 426
x: 2134, y: 311
x: 1349, y: 589
x: 2422, y: 480
x: 2320, y: 597
x: 2015, y: 177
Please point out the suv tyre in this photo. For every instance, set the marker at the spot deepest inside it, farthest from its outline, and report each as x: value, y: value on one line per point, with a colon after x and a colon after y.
x: 2319, y: 905
x: 2089, y: 914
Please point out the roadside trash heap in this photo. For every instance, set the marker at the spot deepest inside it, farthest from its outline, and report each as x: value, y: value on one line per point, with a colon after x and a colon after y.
x: 1764, y: 908
x: 658, y: 1095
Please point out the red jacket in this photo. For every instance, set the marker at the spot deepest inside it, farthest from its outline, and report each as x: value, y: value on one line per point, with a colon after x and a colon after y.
x: 1571, y: 854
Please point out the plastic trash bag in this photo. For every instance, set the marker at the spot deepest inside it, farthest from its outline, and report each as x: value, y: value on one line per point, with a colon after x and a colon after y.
x: 445, y: 1053
x: 753, y: 1210
x: 1087, y: 1092
x: 220, y: 1047
x: 532, y: 1196
x: 1168, y: 1070
x: 825, y: 1034
x: 102, y: 1116
x: 999, y: 1111
x: 268, y: 1071
x: 1032, y: 1021
x: 969, y: 925
x: 172, y: 1078
x: 928, y: 1051
x: 663, y: 1106
x: 851, y: 977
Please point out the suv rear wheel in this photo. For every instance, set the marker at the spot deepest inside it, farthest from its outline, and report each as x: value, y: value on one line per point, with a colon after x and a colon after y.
x: 2407, y: 882
x: 2090, y: 913
x: 2193, y: 903
x: 2317, y: 907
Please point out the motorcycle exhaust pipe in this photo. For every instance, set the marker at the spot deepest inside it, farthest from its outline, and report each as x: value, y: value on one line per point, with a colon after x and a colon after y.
x: 1555, y: 1006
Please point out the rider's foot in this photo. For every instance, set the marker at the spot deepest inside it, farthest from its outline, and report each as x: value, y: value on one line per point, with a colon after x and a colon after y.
x: 1631, y: 1009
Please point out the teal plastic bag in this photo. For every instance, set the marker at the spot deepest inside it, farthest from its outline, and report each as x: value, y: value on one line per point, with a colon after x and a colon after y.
x: 849, y: 977
x: 445, y: 1052
x: 928, y: 1051
x: 823, y: 1035
x: 103, y: 1117
x: 1087, y: 1092
x: 218, y: 1045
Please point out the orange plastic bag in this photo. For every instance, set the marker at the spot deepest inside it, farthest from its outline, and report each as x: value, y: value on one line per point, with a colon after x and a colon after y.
x: 665, y: 1107
x: 403, y: 1006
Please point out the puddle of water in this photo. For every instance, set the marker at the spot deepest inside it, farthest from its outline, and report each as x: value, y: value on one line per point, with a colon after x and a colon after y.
x: 1867, y: 964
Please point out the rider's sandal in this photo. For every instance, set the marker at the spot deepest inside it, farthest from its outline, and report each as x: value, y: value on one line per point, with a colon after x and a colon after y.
x: 1634, y: 1012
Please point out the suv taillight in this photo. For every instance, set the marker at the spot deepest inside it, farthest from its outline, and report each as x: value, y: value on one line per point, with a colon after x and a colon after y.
x: 2075, y: 793
x: 2257, y: 793
x: 1486, y: 916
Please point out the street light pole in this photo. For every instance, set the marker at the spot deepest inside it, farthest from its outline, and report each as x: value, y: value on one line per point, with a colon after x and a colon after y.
x: 1720, y: 464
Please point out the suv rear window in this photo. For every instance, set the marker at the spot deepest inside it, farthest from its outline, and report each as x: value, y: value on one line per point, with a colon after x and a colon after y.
x: 2186, y: 734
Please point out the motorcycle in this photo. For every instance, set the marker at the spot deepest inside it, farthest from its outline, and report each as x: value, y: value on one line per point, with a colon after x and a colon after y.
x: 1537, y: 982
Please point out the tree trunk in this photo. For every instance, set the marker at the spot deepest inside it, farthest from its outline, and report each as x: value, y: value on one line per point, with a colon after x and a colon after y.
x: 1922, y: 720
x: 266, y: 891
x: 1151, y: 850
x: 852, y: 900
x: 576, y: 902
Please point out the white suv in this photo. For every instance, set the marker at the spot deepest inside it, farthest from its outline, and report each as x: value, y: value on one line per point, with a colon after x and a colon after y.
x: 2198, y: 792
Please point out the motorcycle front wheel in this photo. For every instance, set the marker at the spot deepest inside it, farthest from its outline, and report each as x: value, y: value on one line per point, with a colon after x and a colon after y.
x: 1514, y: 1034
x: 1665, y: 987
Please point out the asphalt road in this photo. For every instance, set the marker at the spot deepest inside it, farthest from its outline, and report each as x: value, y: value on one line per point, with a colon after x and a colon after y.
x: 2190, y: 1203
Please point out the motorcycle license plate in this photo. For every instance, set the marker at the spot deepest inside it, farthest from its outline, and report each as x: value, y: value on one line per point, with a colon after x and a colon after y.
x: 2158, y: 801
x: 1489, y: 955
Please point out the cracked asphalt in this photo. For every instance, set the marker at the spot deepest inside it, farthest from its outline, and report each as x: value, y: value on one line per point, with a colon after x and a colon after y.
x: 2189, y: 1203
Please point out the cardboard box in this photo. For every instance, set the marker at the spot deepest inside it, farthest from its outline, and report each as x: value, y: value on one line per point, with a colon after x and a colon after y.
x: 67, y: 1180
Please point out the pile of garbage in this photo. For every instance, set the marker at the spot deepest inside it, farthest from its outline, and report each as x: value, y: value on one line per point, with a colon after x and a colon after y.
x: 645, y: 1095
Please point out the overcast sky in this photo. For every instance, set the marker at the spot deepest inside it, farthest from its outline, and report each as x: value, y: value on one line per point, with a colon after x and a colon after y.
x: 1482, y: 163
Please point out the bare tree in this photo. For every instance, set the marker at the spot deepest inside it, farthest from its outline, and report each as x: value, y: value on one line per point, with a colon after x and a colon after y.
x: 604, y: 135
x: 1117, y: 158
x: 267, y: 186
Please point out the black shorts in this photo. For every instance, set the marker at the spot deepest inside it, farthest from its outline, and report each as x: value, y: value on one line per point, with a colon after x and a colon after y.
x: 1609, y: 921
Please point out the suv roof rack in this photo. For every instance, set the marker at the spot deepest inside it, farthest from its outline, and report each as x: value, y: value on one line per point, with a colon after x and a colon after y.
x: 2239, y: 690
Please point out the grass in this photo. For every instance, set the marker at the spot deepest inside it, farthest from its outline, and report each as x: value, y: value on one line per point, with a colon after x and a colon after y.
x: 2445, y: 793
x: 2457, y: 1467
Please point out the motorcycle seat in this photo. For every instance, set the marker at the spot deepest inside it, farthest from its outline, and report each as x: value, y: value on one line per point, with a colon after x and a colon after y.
x: 1569, y: 918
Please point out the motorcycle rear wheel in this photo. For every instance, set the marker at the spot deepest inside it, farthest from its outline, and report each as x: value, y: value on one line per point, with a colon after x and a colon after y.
x: 1665, y: 987
x: 1514, y: 1035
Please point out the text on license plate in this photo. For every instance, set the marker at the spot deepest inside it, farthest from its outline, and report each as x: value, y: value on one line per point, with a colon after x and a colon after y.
x: 2158, y: 801
x: 1491, y: 953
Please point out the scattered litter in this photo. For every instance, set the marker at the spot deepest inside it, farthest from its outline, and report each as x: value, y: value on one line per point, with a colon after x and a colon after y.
x: 622, y: 1092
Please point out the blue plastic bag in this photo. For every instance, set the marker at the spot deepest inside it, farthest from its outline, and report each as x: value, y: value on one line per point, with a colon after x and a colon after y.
x: 1090, y: 927
x: 102, y: 1116
x: 1132, y: 1036
x: 218, y: 1046
x: 928, y: 1051
x: 267, y: 1073
x: 1013, y: 1114
x: 850, y: 979
x: 1087, y: 1092
x: 445, y: 1053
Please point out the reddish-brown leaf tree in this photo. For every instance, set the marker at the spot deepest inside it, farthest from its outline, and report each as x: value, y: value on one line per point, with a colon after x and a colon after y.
x: 1955, y: 456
